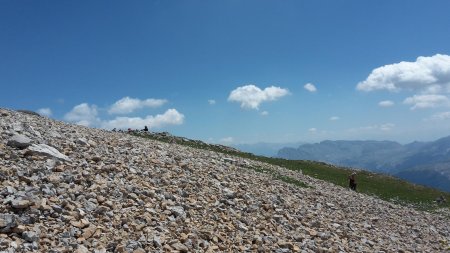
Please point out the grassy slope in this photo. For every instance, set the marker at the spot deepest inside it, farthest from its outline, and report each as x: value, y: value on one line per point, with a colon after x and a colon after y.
x: 382, y: 186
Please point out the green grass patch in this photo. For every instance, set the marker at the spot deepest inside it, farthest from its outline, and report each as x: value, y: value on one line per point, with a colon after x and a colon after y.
x: 383, y: 186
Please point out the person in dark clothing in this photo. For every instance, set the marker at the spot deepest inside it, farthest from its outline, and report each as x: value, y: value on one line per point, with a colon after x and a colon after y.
x: 352, y: 181
x: 145, y: 129
x: 441, y: 199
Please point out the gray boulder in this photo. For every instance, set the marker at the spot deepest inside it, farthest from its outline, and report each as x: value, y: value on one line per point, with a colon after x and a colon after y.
x: 30, y: 236
x: 19, y: 141
x: 7, y: 222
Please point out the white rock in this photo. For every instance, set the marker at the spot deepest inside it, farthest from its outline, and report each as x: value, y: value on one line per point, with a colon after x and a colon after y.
x: 17, y: 127
x: 82, y: 141
x: 178, y: 211
x: 46, y: 150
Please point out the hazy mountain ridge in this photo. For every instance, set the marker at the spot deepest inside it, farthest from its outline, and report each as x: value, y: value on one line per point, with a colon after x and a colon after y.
x: 425, y: 163
x: 265, y: 148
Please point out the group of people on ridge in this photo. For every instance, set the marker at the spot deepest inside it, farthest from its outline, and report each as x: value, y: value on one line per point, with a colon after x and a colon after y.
x: 130, y: 130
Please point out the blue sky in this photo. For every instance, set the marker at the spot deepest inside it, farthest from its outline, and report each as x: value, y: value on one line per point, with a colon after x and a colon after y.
x: 233, y: 71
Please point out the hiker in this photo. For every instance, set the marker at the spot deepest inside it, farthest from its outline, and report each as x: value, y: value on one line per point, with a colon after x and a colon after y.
x: 145, y: 129
x: 441, y: 199
x: 352, y: 181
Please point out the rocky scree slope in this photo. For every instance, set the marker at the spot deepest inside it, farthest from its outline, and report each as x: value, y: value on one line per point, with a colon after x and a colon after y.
x: 67, y: 188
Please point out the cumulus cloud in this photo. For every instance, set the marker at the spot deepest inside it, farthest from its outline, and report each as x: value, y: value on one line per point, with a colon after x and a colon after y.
x: 440, y: 116
x: 227, y: 140
x: 170, y: 117
x: 45, y: 112
x: 250, y: 96
x: 128, y: 105
x: 88, y: 115
x: 310, y: 87
x: 334, y: 118
x: 83, y: 114
x: 427, y: 101
x: 426, y: 75
x: 211, y: 101
x: 386, y: 103
x: 264, y: 113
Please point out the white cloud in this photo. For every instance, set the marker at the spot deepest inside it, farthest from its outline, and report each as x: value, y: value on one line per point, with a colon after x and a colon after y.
x: 310, y: 87
x: 427, y: 101
x: 382, y: 127
x: 426, y: 75
x: 312, y: 130
x: 227, y: 140
x: 250, y: 96
x: 386, y: 103
x: 83, y: 114
x: 45, y: 112
x: 264, y: 113
x: 211, y: 101
x: 170, y: 117
x: 334, y: 118
x: 128, y: 105
x: 439, y: 116
x: 386, y: 127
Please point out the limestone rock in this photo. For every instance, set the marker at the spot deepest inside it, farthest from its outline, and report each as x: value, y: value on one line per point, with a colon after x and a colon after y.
x: 45, y: 150
x: 19, y: 141
x: 30, y: 236
x: 89, y: 231
x: 178, y: 211
x: 81, y: 249
x: 82, y: 141
x: 7, y: 221
x: 20, y: 203
x: 180, y: 247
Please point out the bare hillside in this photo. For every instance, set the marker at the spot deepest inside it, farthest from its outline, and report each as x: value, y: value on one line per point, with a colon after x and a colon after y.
x: 67, y: 188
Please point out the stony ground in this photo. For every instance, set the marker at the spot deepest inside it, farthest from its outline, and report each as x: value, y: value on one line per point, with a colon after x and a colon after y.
x: 67, y: 188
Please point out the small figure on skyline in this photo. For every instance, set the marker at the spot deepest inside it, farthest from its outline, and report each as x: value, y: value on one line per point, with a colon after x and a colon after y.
x: 145, y: 129
x: 352, y: 181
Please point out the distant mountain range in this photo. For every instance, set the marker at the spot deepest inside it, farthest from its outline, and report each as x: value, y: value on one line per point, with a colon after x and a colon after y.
x: 265, y: 148
x: 426, y: 163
